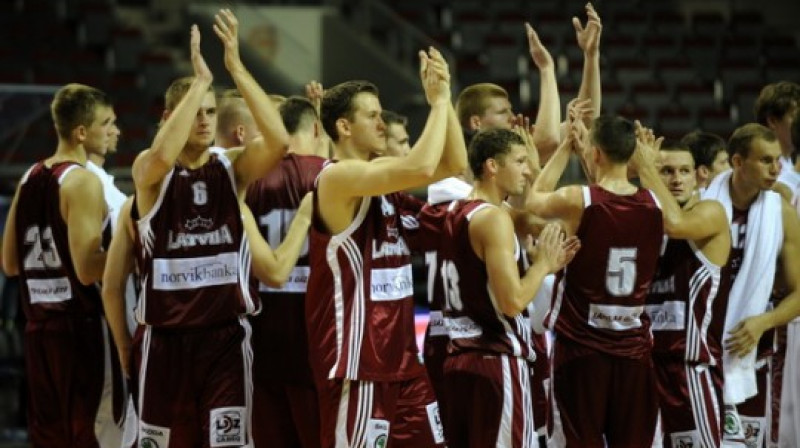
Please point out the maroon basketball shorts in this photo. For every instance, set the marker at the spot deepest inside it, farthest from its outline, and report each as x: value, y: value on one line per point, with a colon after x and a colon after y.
x: 402, y: 414
x: 195, y: 385
x: 488, y: 400
x: 600, y: 400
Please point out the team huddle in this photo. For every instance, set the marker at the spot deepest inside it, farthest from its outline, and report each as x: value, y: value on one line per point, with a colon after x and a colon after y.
x: 256, y: 292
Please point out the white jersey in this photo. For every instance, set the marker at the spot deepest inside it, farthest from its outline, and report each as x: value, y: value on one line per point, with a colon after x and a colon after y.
x: 113, y: 196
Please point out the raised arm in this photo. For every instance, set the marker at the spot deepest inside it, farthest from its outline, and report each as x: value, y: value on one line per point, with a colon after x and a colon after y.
x: 272, y: 267
x: 492, y: 236
x: 153, y: 164
x: 263, y: 153
x: 119, y: 267
x: 10, y: 264
x: 454, y: 156
x: 746, y: 334
x: 84, y: 210
x: 357, y: 178
x: 589, y: 41
x: 548, y: 118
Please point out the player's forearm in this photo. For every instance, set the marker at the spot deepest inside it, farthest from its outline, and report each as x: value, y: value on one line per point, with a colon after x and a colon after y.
x: 171, y: 137
x: 454, y: 155
x: 590, y: 84
x: 114, y: 306
x: 553, y: 169
x: 266, y: 115
x: 670, y: 208
x: 289, y: 250
x: 425, y: 155
x: 546, y: 134
x: 526, y: 291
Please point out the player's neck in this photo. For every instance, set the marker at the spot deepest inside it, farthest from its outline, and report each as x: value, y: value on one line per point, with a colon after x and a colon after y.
x: 343, y: 150
x: 192, y: 157
x: 67, y: 152
x: 742, y: 195
x: 487, y: 191
x: 614, y: 178
x: 97, y: 159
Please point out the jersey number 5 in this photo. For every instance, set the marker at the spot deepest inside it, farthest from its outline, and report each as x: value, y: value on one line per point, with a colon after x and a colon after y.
x: 42, y: 254
x: 621, y: 271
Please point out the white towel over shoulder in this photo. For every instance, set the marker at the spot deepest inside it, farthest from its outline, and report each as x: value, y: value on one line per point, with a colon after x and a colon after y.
x: 751, y: 290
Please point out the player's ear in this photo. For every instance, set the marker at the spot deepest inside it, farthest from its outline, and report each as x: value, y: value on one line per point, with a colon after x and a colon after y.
x: 474, y: 123
x: 343, y: 127
x: 490, y: 166
x: 240, y: 133
x: 737, y: 160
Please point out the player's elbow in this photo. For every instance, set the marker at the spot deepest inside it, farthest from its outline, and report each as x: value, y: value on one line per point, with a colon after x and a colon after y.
x: 511, y: 307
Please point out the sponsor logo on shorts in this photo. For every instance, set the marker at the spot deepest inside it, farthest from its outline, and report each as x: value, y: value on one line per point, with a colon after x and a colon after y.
x: 227, y: 427
x: 667, y: 316
x: 436, y: 422
x: 151, y: 436
x: 391, y: 283
x: 171, y: 274
x: 685, y: 439
x: 377, y: 433
x: 753, y: 432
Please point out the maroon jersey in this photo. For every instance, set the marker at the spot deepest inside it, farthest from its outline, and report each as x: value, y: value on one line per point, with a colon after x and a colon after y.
x: 472, y: 318
x: 598, y: 300
x: 195, y: 258
x: 48, y: 283
x: 360, y: 294
x: 686, y: 309
x: 280, y: 328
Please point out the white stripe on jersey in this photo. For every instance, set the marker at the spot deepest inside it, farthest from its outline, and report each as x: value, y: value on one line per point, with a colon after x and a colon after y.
x: 343, y: 241
x: 696, y: 380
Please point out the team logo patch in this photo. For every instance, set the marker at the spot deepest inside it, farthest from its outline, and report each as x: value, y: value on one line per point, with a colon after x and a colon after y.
x: 733, y: 425
x: 436, y: 422
x: 686, y: 439
x: 227, y: 427
x: 377, y: 433
x: 151, y: 436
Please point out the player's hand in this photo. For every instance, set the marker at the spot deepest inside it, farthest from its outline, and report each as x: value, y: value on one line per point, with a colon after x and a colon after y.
x: 524, y: 128
x: 226, y: 26
x: 550, y: 249
x: 314, y: 93
x: 435, y: 76
x: 588, y: 37
x: 541, y: 57
x: 745, y: 335
x: 201, y: 70
x: 647, y: 147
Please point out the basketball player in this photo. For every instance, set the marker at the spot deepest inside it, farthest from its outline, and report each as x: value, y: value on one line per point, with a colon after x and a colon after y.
x: 687, y: 305
x: 52, y: 240
x: 285, y: 409
x: 192, y: 350
x: 359, y: 303
x: 602, y: 389
x: 487, y: 293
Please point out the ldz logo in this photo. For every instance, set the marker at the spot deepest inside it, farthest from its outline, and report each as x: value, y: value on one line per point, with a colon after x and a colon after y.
x: 227, y: 427
x: 147, y: 442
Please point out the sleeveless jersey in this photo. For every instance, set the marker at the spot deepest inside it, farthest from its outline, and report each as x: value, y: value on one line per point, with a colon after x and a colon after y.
x: 472, y: 316
x: 598, y: 299
x: 359, y: 303
x: 280, y: 329
x: 274, y: 200
x: 195, y: 258
x: 49, y: 286
x: 686, y: 309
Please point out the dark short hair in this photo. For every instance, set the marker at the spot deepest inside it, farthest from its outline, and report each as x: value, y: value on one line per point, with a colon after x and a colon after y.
x: 490, y: 144
x: 742, y: 138
x: 76, y: 105
x: 390, y: 117
x: 704, y: 146
x: 297, y: 112
x: 615, y: 136
x: 337, y: 102
x: 775, y: 100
